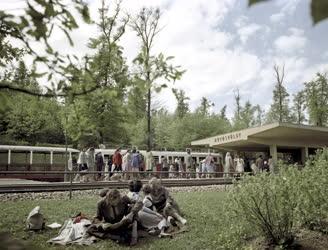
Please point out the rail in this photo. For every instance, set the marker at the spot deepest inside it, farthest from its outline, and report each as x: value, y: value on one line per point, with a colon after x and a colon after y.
x: 169, y: 179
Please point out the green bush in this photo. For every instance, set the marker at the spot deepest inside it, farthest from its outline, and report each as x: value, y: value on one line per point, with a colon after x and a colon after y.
x: 313, y: 198
x: 266, y: 205
x: 276, y: 206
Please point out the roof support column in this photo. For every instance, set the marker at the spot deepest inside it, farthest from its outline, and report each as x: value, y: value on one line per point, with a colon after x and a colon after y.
x: 304, y: 154
x: 273, y: 153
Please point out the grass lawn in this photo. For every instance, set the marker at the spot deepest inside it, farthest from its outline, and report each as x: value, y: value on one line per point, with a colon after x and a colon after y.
x: 202, y: 211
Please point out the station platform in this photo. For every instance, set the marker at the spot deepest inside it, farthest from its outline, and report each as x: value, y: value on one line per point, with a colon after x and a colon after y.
x: 10, y: 181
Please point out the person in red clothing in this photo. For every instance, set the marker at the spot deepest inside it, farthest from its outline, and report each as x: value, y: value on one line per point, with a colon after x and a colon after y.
x: 117, y: 160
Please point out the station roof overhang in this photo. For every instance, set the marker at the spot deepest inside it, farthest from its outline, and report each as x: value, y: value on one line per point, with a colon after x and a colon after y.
x: 261, y: 138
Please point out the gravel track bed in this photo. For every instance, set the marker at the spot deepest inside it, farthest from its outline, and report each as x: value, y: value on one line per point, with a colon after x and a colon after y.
x: 94, y: 193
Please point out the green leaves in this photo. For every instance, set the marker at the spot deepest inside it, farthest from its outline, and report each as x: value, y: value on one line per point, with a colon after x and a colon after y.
x: 251, y: 2
x: 319, y: 10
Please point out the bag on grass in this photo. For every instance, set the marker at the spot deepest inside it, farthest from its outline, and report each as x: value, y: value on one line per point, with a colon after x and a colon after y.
x: 35, y: 220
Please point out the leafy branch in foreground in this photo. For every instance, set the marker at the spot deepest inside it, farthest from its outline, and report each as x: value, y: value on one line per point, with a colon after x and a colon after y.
x: 33, y: 30
x: 319, y: 9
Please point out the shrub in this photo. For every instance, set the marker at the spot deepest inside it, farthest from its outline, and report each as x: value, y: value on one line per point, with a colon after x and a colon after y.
x: 275, y: 206
x: 313, y: 199
x: 264, y: 205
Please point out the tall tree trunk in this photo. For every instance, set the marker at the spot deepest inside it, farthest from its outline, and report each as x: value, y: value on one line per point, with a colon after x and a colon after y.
x: 149, y: 121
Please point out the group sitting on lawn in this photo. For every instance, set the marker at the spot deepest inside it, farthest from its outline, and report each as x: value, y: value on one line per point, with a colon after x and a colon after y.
x: 120, y: 217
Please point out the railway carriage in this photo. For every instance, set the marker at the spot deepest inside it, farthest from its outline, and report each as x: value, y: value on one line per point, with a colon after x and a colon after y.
x: 31, y: 158
x: 47, y: 159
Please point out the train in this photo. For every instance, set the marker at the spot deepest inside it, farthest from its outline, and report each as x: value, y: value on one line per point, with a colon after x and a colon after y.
x: 46, y: 159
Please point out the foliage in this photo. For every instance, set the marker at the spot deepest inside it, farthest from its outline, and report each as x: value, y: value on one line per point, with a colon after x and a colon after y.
x: 299, y: 107
x: 279, y: 109
x: 99, y: 116
x: 264, y: 205
x: 246, y: 118
x: 319, y: 9
x: 35, y: 26
x: 316, y: 94
x: 28, y: 118
x: 152, y: 68
x: 204, y: 107
x: 182, y: 104
x: 313, y: 201
x: 275, y: 206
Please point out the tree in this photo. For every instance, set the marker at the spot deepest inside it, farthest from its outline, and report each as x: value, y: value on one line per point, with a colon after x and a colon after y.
x: 237, y: 122
x: 151, y: 68
x: 28, y: 118
x: 223, y: 113
x: 259, y: 113
x: 247, y: 115
x: 279, y: 110
x: 319, y: 9
x: 204, y: 107
x: 182, y: 105
x: 316, y: 94
x: 101, y: 114
x: 299, y: 107
x: 35, y: 26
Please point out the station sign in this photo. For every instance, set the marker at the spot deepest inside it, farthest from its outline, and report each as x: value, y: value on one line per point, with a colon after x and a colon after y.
x: 228, y: 137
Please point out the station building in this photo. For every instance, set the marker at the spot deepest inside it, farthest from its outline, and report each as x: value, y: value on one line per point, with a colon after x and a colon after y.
x: 292, y: 143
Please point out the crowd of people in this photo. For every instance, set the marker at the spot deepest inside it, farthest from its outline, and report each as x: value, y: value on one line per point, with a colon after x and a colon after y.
x: 132, y: 164
x: 238, y: 165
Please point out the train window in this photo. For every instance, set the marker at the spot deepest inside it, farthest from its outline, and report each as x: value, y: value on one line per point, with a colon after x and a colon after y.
x: 20, y: 157
x: 59, y: 157
x: 41, y: 157
x: 156, y: 159
x: 4, y: 157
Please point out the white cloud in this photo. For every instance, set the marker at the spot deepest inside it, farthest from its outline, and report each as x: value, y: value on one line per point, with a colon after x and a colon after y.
x: 287, y: 8
x: 277, y: 17
x: 247, y: 31
x: 191, y: 34
x: 325, y: 54
x: 294, y: 42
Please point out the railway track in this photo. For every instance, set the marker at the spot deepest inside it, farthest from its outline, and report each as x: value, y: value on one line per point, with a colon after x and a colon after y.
x: 66, y: 186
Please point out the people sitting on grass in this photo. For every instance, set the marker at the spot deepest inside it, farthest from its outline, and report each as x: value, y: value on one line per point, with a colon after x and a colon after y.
x: 163, y: 201
x: 120, y: 217
x: 116, y: 218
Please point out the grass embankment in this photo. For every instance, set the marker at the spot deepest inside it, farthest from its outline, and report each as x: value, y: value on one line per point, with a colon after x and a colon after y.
x: 202, y: 211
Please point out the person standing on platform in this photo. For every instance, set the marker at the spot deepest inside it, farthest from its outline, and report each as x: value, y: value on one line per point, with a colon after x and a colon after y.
x: 82, y: 166
x: 189, y: 164
x: 149, y: 161
x: 127, y: 158
x: 165, y: 167
x: 136, y: 160
x: 100, y: 165
x: 91, y: 162
x: 240, y: 165
x: 117, y: 160
x: 228, y: 164
x: 259, y: 163
x: 209, y: 161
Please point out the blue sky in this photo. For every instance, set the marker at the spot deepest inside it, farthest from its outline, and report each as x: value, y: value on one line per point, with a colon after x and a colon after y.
x: 224, y: 45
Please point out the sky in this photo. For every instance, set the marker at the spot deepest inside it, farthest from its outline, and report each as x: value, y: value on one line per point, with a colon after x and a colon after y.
x: 223, y: 45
